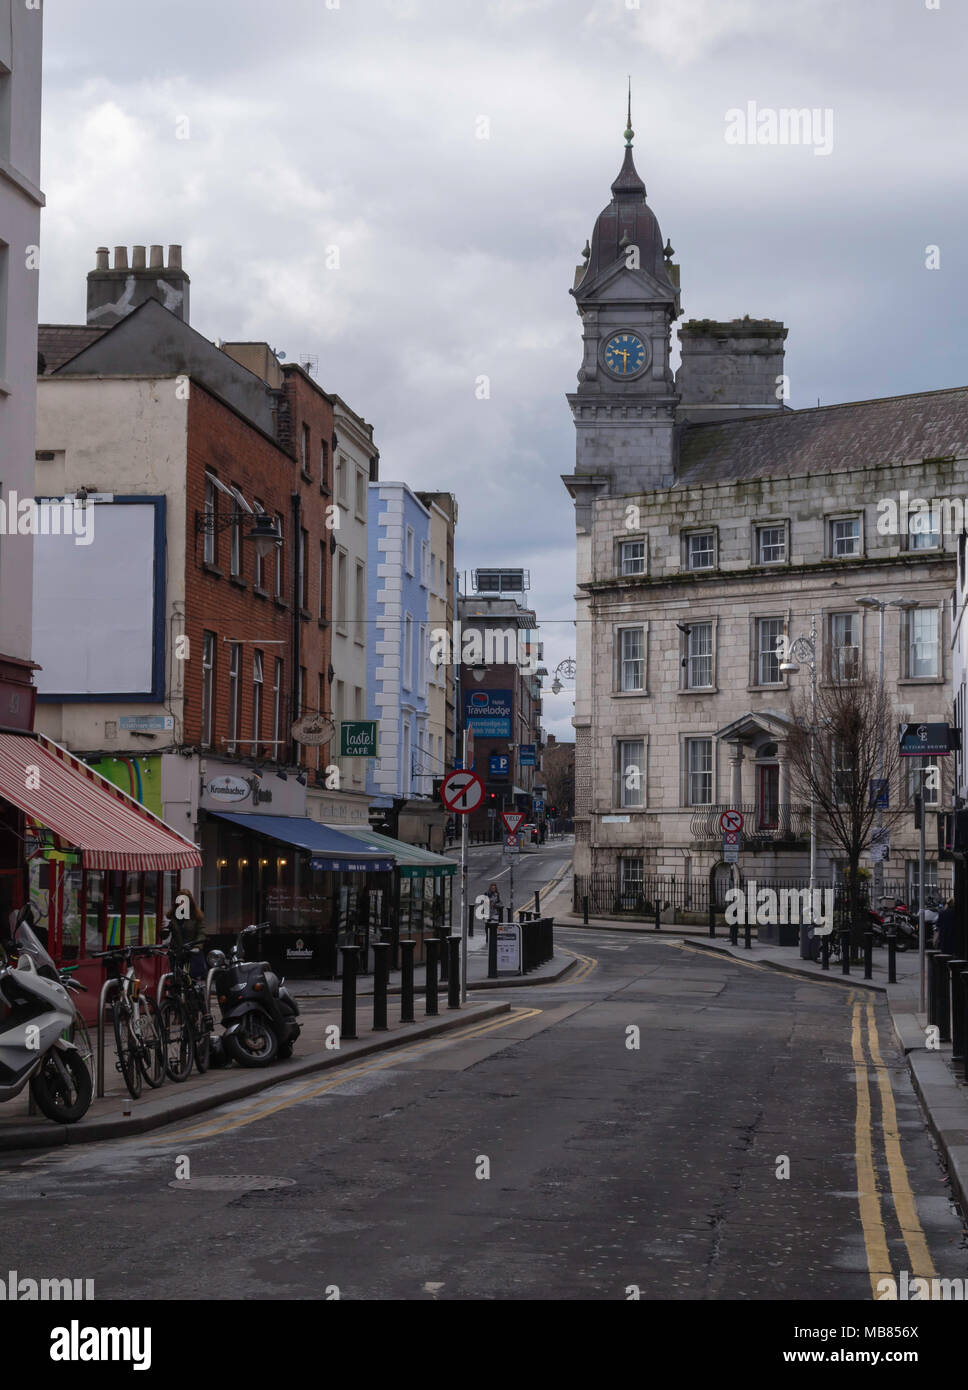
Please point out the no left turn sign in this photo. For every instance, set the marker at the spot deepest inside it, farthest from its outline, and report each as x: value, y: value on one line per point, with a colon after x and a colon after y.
x: 462, y: 792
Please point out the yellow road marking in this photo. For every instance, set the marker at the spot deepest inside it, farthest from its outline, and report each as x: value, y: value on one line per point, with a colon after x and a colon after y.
x: 259, y: 1111
x: 582, y: 973
x: 872, y: 1222
x: 904, y: 1203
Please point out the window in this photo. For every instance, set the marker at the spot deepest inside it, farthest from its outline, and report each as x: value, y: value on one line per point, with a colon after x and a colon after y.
x: 770, y: 545
x: 768, y: 796
x: 407, y: 651
x: 322, y: 579
x: 631, y: 882
x: 320, y: 695
x: 632, y: 557
x: 259, y: 563
x: 631, y: 643
x: 303, y: 569
x: 341, y: 581
x: 922, y: 646
x: 359, y: 632
x: 924, y: 529
x: 844, y: 646
x: 422, y: 660
x: 424, y: 563
x: 324, y: 464
x: 630, y: 773
x: 842, y: 764
x: 210, y: 548
x: 699, y: 771
x: 277, y: 708
x: 238, y: 510
x: 406, y: 770
x: 768, y: 633
x: 341, y: 480
x: 304, y: 455
x: 235, y: 662
x: 845, y: 538
x: 361, y: 485
x: 930, y: 880
x: 699, y: 657
x: 932, y: 781
x: 410, y: 550
x: 701, y: 550
x: 279, y: 567
x: 208, y: 686
x: 256, y: 703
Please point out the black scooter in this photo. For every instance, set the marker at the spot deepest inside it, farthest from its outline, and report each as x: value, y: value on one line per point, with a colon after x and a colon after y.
x: 258, y: 1012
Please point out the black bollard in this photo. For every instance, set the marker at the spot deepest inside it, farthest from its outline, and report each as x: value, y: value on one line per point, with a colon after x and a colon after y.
x: 431, y: 946
x: 350, y: 956
x: 453, y: 972
x: 442, y: 935
x: 471, y: 915
x: 658, y: 924
x: 942, y: 997
x: 845, y: 952
x: 892, y: 957
x: 537, y: 902
x: 406, y: 980
x: 954, y: 968
x: 584, y: 909
x: 747, y: 938
x: 712, y: 921
x: 961, y: 1013
x: 492, y: 950
x: 825, y: 951
x: 381, y: 978
x: 868, y: 955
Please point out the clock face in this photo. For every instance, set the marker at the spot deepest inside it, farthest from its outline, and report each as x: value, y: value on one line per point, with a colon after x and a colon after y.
x: 624, y: 354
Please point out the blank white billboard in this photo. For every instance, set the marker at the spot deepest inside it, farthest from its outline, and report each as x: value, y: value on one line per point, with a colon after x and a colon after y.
x: 94, y: 614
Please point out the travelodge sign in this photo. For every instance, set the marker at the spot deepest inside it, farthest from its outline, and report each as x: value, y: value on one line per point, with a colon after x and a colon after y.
x: 488, y: 713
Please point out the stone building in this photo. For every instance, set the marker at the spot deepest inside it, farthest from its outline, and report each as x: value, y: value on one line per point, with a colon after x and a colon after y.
x: 712, y: 519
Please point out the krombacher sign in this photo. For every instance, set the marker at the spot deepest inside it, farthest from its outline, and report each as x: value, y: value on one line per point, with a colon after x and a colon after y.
x: 358, y: 738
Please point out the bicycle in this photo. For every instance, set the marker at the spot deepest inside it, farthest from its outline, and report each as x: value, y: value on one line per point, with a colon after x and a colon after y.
x: 78, y: 1032
x: 138, y: 1029
x: 185, y: 1017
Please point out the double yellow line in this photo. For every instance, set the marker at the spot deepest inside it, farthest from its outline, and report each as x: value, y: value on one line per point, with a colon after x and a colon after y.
x: 260, y: 1110
x: 869, y: 1195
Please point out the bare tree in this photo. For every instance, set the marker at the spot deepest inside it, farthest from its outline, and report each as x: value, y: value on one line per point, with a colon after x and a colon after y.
x: 855, y: 743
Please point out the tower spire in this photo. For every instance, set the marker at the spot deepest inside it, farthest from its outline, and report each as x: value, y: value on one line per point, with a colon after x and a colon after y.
x: 629, y: 132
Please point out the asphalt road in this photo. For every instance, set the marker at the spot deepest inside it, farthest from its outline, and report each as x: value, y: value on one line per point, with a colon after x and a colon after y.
x: 535, y: 1157
x: 532, y: 869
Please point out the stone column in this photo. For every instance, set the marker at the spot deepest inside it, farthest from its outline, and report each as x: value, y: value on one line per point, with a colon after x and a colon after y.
x: 784, y: 792
x: 736, y: 781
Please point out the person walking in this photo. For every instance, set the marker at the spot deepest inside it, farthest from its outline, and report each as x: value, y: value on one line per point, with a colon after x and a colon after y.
x: 494, y: 898
x: 944, y: 929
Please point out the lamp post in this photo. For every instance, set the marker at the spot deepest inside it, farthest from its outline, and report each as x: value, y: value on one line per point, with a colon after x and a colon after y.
x: 880, y: 606
x: 803, y: 650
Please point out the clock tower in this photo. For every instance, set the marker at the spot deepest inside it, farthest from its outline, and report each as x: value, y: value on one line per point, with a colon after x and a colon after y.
x: 627, y: 295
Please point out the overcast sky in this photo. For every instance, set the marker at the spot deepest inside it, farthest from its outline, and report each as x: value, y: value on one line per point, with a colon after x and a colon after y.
x: 356, y: 124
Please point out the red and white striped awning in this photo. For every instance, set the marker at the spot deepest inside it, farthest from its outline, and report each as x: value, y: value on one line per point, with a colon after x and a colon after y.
x: 85, y: 810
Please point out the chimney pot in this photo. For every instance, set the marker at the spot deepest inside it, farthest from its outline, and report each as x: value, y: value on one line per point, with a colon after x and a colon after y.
x: 138, y: 258
x: 101, y: 262
x: 120, y: 258
x: 174, y: 257
x: 157, y: 258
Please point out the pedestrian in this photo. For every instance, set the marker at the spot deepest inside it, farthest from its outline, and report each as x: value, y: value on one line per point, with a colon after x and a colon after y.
x: 494, y: 898
x: 186, y: 931
x: 944, y: 929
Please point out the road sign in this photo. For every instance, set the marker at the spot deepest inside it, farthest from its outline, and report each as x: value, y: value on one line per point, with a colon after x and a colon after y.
x: 512, y: 819
x: 730, y: 846
x: 538, y: 805
x: 527, y: 755
x: 508, y: 948
x: 731, y: 820
x: 512, y: 845
x: 499, y: 764
x: 462, y: 792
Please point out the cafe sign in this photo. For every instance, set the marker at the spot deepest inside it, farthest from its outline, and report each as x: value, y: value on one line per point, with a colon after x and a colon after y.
x: 358, y: 738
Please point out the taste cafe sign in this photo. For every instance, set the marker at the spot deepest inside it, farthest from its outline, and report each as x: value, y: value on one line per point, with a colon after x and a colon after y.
x: 358, y: 738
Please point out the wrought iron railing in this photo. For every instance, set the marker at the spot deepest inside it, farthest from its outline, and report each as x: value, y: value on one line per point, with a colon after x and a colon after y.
x: 761, y: 824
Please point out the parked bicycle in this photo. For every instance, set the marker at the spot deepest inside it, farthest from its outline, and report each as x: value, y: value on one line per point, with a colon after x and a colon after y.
x: 138, y: 1030
x: 185, y: 1017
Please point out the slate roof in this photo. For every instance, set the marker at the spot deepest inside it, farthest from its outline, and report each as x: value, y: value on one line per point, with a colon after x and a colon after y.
x: 860, y: 434
x: 57, y: 343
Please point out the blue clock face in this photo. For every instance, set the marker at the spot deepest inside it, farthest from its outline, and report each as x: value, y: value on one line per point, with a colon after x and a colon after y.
x: 624, y: 354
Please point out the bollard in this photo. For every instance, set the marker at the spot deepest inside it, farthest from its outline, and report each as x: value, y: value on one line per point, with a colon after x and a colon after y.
x: 845, y: 951
x: 492, y: 950
x: 825, y: 951
x: 347, y: 1028
x: 453, y: 972
x: 930, y: 982
x: 954, y: 968
x: 442, y: 934
x: 431, y: 946
x: 868, y: 955
x: 658, y: 924
x: 942, y: 998
x: 892, y: 957
x: 734, y: 932
x: 406, y: 980
x: 747, y: 939
x: 961, y: 1011
x: 584, y: 909
x: 471, y: 914
x: 537, y: 902
x: 381, y: 979
x: 712, y: 920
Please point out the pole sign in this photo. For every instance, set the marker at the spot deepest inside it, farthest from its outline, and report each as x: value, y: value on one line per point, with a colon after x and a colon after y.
x: 879, y: 796
x: 730, y: 846
x: 512, y: 820
x: 526, y: 755
x: 538, y: 805
x: 508, y: 948
x: 731, y: 820
x: 924, y: 740
x: 499, y: 764
x: 512, y: 845
x: 462, y: 792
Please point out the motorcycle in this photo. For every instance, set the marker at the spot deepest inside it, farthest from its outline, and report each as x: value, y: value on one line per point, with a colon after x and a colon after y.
x: 36, y: 1011
x: 898, y: 919
x: 258, y: 1012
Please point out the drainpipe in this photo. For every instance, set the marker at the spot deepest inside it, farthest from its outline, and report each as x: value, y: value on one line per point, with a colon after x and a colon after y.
x: 296, y: 601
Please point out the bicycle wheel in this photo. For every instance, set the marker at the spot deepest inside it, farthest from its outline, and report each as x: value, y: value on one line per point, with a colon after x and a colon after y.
x: 128, y: 1048
x: 81, y: 1039
x: 151, y: 1054
x: 201, y: 1033
x: 179, y: 1038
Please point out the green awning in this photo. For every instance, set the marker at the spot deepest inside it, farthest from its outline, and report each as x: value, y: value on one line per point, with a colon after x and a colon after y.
x: 411, y: 860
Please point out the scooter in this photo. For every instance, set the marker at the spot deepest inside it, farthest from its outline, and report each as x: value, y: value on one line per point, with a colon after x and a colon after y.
x: 258, y: 1012
x: 35, y: 1013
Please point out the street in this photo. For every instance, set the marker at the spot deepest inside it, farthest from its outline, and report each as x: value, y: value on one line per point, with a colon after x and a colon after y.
x: 762, y: 1142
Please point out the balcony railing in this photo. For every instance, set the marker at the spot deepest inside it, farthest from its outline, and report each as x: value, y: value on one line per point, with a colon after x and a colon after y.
x: 762, y: 825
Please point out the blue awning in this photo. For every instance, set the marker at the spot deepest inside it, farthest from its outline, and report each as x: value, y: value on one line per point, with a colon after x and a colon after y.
x: 330, y: 849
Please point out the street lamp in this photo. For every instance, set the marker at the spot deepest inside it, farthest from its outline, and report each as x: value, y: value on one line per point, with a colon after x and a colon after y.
x: 803, y: 650
x: 880, y: 606
x: 566, y: 668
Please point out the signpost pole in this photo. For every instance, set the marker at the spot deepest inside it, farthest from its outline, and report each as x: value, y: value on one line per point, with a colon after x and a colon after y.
x: 921, y: 942
x: 463, y: 893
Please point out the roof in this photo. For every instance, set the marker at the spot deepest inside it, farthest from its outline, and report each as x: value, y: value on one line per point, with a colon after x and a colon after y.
x: 57, y: 343
x: 412, y: 861
x: 331, y: 849
x: 626, y: 221
x: 827, y: 439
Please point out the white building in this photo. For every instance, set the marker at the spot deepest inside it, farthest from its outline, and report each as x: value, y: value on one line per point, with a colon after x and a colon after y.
x: 21, y: 48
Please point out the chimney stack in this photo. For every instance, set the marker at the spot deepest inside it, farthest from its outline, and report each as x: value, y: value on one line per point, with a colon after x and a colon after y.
x: 114, y: 292
x: 730, y: 369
